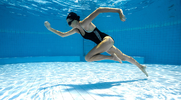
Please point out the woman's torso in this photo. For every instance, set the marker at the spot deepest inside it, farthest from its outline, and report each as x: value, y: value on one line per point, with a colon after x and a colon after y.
x: 91, y: 32
x: 87, y: 27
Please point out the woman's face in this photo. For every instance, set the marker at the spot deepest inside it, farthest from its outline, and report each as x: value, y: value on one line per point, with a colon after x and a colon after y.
x: 71, y: 22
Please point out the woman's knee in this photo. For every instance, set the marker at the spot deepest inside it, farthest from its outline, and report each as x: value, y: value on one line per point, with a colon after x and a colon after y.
x: 87, y: 58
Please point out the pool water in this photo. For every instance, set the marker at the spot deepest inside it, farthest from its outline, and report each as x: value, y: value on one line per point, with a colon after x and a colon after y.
x: 88, y: 81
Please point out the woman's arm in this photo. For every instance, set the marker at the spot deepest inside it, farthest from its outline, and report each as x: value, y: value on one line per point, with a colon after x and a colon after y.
x: 72, y: 31
x: 116, y: 10
x: 103, y: 10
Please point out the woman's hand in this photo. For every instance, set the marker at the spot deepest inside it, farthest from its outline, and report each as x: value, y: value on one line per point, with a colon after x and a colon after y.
x: 122, y: 16
x: 47, y: 25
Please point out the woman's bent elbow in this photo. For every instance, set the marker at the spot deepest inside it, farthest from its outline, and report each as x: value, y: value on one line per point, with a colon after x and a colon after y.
x: 61, y: 34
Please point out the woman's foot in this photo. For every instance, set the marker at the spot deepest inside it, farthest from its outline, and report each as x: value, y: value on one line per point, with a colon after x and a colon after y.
x: 116, y: 58
x: 143, y: 69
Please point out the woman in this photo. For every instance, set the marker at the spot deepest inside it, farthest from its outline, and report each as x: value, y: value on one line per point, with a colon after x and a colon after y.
x: 104, y: 42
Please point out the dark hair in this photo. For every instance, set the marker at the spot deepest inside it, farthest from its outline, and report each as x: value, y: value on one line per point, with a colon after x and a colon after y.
x: 73, y: 16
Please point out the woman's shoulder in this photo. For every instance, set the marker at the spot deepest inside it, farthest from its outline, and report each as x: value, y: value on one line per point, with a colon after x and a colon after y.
x: 84, y: 23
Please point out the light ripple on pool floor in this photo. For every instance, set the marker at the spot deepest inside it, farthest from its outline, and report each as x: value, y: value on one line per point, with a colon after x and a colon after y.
x: 88, y: 80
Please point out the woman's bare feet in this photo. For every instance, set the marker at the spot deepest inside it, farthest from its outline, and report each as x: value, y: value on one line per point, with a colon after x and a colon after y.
x: 116, y: 58
x: 143, y: 69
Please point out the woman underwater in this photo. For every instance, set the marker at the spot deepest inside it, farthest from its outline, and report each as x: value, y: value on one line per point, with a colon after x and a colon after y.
x: 104, y: 42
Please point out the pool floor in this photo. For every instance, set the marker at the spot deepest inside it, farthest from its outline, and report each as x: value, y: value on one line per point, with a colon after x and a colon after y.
x: 88, y: 81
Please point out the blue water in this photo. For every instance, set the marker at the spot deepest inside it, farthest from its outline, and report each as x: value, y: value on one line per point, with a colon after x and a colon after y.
x: 152, y: 28
x: 88, y: 81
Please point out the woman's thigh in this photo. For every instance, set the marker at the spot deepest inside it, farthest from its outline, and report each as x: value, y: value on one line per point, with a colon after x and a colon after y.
x: 103, y: 46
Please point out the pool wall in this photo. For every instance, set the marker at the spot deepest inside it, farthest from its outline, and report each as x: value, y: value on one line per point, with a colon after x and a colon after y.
x: 153, y: 33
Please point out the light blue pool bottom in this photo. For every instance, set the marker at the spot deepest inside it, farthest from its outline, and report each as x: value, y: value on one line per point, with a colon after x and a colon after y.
x: 54, y: 59
x: 88, y: 81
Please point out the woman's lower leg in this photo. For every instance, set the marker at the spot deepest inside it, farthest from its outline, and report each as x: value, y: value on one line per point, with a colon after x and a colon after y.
x: 103, y: 57
x: 133, y: 61
x: 98, y: 57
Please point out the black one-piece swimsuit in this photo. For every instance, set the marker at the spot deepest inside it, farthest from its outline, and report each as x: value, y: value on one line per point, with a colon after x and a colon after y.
x: 96, y: 35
